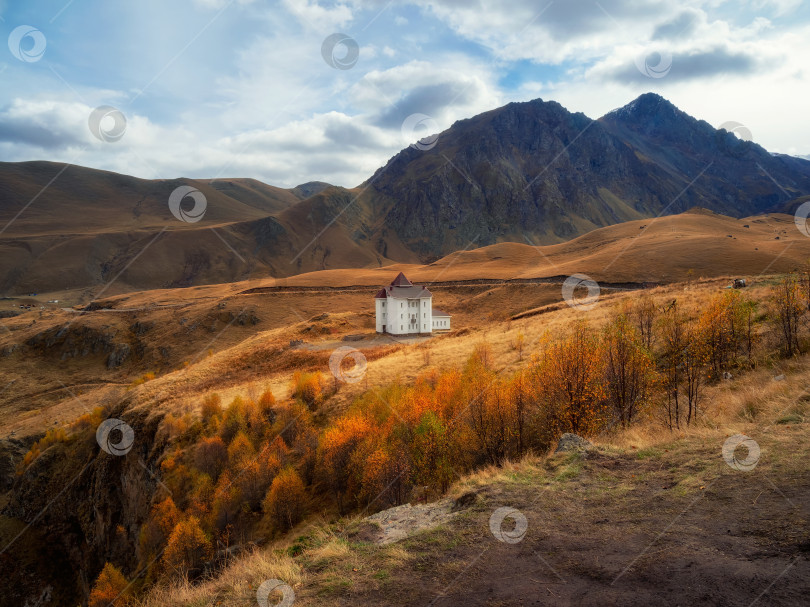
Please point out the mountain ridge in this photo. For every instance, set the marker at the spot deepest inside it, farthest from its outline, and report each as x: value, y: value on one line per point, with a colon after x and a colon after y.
x: 530, y: 172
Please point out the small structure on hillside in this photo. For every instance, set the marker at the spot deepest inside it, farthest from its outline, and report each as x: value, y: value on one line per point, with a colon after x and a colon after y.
x: 407, y: 309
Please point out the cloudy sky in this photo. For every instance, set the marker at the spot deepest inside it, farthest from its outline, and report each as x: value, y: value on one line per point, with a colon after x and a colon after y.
x: 245, y: 88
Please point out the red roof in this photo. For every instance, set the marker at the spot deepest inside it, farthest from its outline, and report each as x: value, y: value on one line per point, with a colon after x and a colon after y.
x: 402, y: 288
x: 401, y: 281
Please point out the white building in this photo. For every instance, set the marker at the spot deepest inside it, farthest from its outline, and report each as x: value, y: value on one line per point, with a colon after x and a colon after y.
x: 404, y: 309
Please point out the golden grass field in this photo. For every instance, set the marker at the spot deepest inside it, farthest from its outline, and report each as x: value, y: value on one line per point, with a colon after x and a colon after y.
x: 195, y: 346
x: 235, y: 341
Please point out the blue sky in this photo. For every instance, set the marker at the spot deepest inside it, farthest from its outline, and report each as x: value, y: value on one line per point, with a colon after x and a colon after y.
x: 220, y: 88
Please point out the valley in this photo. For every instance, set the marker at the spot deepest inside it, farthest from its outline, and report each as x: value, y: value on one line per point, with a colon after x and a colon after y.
x: 222, y: 349
x: 528, y: 173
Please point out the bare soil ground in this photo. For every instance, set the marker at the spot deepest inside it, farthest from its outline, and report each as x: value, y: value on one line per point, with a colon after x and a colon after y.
x: 662, y: 526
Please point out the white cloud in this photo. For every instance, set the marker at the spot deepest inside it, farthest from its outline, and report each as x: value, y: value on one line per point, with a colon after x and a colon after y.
x: 268, y: 106
x: 312, y: 15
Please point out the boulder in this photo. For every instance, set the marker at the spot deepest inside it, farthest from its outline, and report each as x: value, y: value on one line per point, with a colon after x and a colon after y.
x: 572, y: 442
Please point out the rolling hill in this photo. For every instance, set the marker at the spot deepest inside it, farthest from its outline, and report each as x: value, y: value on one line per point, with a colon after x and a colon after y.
x: 530, y: 173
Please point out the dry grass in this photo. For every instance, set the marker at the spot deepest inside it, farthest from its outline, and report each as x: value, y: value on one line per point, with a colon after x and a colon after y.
x: 331, y: 567
x: 234, y: 586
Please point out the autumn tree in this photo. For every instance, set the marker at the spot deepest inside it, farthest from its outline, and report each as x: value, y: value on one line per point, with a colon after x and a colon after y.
x: 522, y: 398
x: 628, y: 367
x: 482, y: 354
x: 644, y: 313
x: 267, y: 402
x: 211, y: 456
x: 684, y: 359
x: 233, y: 420
x: 789, y: 307
x: 240, y: 452
x: 307, y: 387
x: 293, y: 424
x: 211, y: 408
x: 285, y: 500
x: 573, y: 390
x: 431, y: 453
x: 335, y: 453
x: 188, y: 548
x: 227, y: 502
x: 201, y: 497
x: 694, y: 359
x: 109, y: 589
x: 492, y: 419
x: 158, y: 527
x: 726, y: 325
x: 255, y: 477
x: 385, y: 474
x: 750, y: 335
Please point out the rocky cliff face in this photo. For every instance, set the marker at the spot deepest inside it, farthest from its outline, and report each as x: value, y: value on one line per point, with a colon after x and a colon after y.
x: 84, y: 507
x: 534, y: 170
x: 732, y: 176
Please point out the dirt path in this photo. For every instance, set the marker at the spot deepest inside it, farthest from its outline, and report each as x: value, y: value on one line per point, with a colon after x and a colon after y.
x: 623, y: 535
x: 367, y: 340
x: 672, y: 526
x: 446, y: 284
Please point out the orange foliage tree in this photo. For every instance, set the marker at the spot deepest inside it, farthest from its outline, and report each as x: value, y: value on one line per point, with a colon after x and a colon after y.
x: 307, y: 387
x: 572, y: 386
x: 188, y: 548
x: 335, y: 450
x: 211, y: 409
x: 726, y: 328
x: 109, y: 589
x: 385, y: 474
x: 285, y: 500
x: 158, y: 527
x: 240, y: 452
